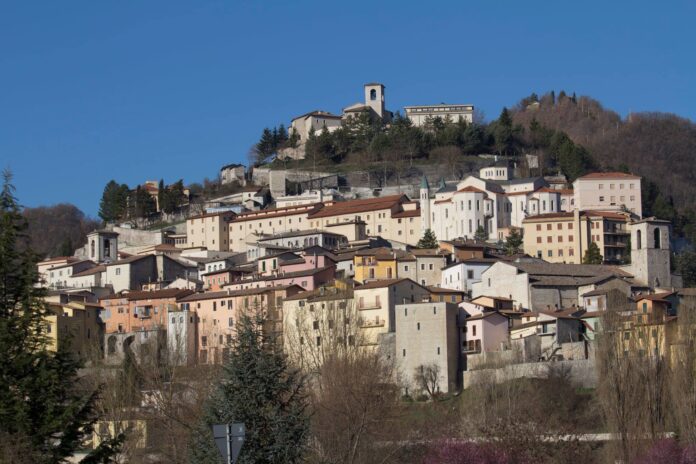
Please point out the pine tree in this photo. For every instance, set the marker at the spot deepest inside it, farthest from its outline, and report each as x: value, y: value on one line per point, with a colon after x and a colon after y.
x: 161, y: 192
x: 593, y: 255
x: 114, y: 201
x: 141, y: 203
x: 259, y: 389
x: 503, y: 133
x: 480, y: 235
x: 513, y: 242
x: 42, y: 410
x: 429, y: 240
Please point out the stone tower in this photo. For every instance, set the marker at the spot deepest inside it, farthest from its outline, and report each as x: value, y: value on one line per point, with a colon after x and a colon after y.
x: 425, y: 205
x: 374, y: 98
x: 102, y: 246
x: 650, y: 252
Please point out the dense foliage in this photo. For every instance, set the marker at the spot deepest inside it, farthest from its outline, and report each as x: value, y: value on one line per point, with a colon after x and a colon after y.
x: 57, y: 230
x: 44, y: 416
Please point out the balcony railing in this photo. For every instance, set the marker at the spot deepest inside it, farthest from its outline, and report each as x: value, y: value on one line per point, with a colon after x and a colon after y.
x: 368, y: 306
x: 370, y: 323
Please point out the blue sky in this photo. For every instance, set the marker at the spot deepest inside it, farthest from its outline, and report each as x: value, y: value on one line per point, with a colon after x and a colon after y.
x: 173, y: 89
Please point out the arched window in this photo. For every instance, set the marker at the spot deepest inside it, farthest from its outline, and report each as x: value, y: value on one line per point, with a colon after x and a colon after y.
x: 373, y: 94
x: 656, y: 234
x: 92, y: 248
x: 639, y: 241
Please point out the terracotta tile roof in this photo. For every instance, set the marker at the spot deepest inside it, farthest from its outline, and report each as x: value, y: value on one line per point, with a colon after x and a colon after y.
x: 150, y: 295
x: 542, y: 217
x: 609, y: 175
x: 408, y: 213
x: 655, y: 296
x: 130, y: 259
x: 277, y: 212
x: 446, y: 200
x: 510, y: 194
x: 359, y: 206
x: 229, y: 293
x: 207, y: 215
x: 433, y: 289
x: 384, y: 283
x: 485, y: 315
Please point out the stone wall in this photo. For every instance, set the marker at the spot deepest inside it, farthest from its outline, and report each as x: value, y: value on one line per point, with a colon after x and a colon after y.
x: 583, y: 372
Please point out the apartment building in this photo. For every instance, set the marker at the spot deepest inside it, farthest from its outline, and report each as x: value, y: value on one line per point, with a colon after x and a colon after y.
x: 422, y: 266
x: 73, y: 323
x: 608, y: 191
x: 139, y: 310
x: 376, y: 302
x: 565, y: 237
x: 210, y: 231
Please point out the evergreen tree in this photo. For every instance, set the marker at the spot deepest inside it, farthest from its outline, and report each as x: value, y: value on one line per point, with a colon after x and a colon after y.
x: 503, y: 133
x: 141, y: 203
x: 429, y: 240
x: 480, y: 235
x: 259, y: 389
x: 42, y: 410
x: 66, y: 248
x: 114, y: 202
x: 593, y: 255
x: 513, y: 243
x: 161, y: 192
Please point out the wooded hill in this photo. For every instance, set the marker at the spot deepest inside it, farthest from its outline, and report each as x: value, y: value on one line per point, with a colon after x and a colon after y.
x: 660, y: 147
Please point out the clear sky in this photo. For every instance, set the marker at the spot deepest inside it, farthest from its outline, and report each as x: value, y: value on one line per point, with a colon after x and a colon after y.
x: 138, y: 90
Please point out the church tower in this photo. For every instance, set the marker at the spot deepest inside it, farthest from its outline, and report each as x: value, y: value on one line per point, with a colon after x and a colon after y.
x: 374, y: 98
x: 650, y: 252
x: 425, y: 205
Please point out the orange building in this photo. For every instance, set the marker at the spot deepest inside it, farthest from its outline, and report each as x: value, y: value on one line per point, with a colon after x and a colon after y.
x: 139, y: 310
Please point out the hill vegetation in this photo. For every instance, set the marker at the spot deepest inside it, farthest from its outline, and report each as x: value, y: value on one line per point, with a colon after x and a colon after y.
x: 57, y: 230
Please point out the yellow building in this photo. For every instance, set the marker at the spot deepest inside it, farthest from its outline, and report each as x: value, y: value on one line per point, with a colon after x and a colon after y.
x: 565, y: 237
x: 209, y: 231
x: 377, y: 263
x: 74, y: 325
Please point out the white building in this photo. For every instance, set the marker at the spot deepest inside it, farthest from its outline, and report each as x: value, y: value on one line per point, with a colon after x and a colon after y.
x: 457, y: 211
x: 420, y: 115
x: 464, y: 274
x: 608, y: 191
x: 308, y: 197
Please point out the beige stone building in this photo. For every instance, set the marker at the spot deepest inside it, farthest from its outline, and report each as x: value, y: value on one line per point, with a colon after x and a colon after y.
x: 315, y: 121
x: 608, y: 191
x: 428, y: 337
x: 565, y: 237
x: 420, y: 115
x: 209, y: 231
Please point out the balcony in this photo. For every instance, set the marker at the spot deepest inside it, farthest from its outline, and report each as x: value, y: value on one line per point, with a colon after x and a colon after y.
x: 368, y: 306
x: 370, y: 323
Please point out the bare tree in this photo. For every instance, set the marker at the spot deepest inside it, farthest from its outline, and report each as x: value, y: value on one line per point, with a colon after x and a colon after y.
x: 427, y: 378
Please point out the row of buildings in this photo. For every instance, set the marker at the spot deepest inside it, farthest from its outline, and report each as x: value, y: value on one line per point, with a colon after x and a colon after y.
x: 347, y: 274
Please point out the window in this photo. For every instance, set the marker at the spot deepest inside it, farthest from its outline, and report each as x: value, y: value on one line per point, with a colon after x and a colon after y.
x: 438, y: 350
x: 230, y: 322
x: 470, y: 274
x: 549, y: 253
x: 418, y: 326
x: 315, y: 326
x: 601, y: 198
x: 404, y: 352
x: 549, y: 226
x: 373, y: 94
x: 656, y: 235
x: 560, y: 238
x: 538, y: 227
x: 473, y: 330
x: 560, y: 252
x: 118, y: 271
x: 538, y: 239
x: 318, y: 341
x: 204, y: 341
x: 549, y: 239
x: 570, y: 238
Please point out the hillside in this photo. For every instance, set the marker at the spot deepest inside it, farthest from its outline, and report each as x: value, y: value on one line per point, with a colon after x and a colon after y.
x: 57, y: 230
x: 658, y: 146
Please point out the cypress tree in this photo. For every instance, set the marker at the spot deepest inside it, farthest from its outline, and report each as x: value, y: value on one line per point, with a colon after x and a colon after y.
x: 513, y: 242
x: 593, y: 255
x: 259, y: 389
x: 44, y: 416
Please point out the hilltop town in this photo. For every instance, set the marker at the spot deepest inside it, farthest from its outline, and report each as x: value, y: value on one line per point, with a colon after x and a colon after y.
x: 506, y: 271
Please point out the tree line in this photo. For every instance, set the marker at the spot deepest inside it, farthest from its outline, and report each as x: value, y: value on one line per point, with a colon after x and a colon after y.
x: 120, y: 202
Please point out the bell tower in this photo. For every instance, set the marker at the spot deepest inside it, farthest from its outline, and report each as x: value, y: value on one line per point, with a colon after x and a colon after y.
x: 425, y: 205
x: 650, y: 252
x: 374, y: 98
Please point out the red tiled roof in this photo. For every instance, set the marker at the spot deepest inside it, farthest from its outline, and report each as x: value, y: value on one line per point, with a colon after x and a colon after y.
x: 277, y: 212
x: 409, y: 213
x: 150, y: 295
x: 358, y: 206
x: 542, y: 217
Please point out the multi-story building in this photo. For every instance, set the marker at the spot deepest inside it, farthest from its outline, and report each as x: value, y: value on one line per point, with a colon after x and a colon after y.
x: 422, y: 266
x: 73, y: 323
x: 421, y: 115
x: 428, y: 337
x: 209, y: 231
x: 608, y: 191
x: 565, y: 237
x: 376, y: 302
x: 139, y: 310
